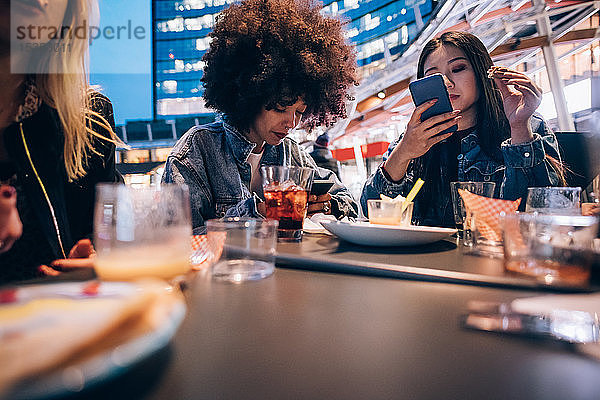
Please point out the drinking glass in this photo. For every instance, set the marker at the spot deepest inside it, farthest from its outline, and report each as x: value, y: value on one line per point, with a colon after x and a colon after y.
x: 142, y: 231
x: 389, y: 213
x: 553, y: 248
x: 241, y: 249
x: 484, y: 240
x: 460, y: 213
x: 554, y: 200
x: 286, y: 192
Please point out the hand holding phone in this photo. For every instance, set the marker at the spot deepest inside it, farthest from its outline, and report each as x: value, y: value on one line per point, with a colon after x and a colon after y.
x: 432, y: 122
x: 429, y: 88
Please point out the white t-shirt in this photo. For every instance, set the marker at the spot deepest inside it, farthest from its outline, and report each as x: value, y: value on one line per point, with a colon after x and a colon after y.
x: 255, y: 178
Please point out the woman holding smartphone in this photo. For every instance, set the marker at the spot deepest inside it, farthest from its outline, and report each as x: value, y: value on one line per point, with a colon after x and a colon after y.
x: 499, y: 139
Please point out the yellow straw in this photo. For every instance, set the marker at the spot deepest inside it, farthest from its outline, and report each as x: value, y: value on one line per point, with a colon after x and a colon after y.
x: 413, y: 193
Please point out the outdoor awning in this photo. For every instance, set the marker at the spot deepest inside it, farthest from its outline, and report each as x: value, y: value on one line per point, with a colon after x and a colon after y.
x: 368, y: 150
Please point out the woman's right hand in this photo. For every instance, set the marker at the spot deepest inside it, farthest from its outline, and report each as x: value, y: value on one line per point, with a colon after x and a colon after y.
x: 10, y: 223
x: 420, y: 136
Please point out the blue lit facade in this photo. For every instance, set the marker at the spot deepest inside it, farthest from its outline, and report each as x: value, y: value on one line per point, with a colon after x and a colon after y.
x: 379, y: 28
x: 181, y: 29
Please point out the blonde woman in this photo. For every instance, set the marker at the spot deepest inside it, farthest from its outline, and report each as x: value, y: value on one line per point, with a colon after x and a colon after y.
x: 57, y: 136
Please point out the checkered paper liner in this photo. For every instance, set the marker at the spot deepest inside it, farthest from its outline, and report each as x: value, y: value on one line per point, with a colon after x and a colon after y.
x: 487, y: 212
x: 205, y: 249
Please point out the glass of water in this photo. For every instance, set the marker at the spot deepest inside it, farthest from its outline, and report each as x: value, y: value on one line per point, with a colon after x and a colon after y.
x: 242, y: 249
x: 554, y: 200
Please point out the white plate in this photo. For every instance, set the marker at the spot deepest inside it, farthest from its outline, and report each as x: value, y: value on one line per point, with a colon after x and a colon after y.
x: 100, y: 367
x: 367, y: 234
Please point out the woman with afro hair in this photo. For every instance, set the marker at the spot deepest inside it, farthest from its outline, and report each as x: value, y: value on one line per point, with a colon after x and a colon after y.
x: 272, y: 65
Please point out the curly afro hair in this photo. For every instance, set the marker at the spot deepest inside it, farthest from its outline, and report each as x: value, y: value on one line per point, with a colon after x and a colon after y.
x: 269, y: 53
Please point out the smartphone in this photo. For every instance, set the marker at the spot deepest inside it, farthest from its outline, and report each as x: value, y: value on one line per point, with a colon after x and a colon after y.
x: 320, y: 187
x: 429, y: 88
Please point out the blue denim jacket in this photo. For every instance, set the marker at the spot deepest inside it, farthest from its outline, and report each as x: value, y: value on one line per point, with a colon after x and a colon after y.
x: 212, y: 160
x: 525, y: 165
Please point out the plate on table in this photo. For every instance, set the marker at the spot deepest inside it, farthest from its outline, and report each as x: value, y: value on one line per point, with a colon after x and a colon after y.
x: 59, y: 339
x: 367, y: 234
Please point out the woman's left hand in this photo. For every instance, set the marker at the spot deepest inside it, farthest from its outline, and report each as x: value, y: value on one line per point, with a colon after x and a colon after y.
x: 81, y: 256
x: 521, y: 97
x: 319, y: 204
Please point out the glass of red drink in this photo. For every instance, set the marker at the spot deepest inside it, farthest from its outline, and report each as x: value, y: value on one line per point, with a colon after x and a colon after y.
x: 286, y: 192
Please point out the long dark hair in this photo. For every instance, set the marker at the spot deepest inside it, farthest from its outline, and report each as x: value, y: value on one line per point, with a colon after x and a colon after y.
x: 492, y: 124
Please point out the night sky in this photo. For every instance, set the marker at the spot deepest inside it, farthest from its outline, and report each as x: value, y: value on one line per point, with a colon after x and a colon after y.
x: 121, y: 57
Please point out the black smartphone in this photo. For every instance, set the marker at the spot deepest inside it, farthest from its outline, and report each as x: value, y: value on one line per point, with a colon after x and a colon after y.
x: 429, y: 88
x: 320, y: 187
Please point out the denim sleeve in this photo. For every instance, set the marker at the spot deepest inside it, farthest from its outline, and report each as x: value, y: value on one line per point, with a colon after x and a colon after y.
x: 530, y: 164
x: 245, y: 208
x: 342, y: 202
x: 180, y: 172
x: 378, y: 184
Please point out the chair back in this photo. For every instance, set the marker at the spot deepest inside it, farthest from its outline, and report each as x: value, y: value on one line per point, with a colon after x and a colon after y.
x: 580, y: 153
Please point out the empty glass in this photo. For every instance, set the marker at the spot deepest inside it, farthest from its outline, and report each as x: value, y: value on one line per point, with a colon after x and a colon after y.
x: 142, y: 231
x: 554, y: 248
x: 286, y: 192
x: 485, y: 239
x: 241, y: 249
x: 462, y: 223
x: 554, y: 200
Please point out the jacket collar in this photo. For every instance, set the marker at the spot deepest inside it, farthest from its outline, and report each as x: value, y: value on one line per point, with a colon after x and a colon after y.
x: 239, y: 145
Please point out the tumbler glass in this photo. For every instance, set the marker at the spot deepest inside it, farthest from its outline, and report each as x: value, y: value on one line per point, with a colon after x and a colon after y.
x: 460, y: 213
x: 241, y: 249
x: 286, y: 192
x: 554, y: 200
x: 389, y: 213
x: 553, y: 248
x: 142, y: 231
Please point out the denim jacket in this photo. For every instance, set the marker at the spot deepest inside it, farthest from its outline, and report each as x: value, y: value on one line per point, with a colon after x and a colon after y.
x: 525, y: 165
x: 212, y: 160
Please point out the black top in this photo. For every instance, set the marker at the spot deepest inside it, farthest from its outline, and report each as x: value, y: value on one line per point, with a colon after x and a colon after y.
x: 32, y: 249
x: 72, y: 202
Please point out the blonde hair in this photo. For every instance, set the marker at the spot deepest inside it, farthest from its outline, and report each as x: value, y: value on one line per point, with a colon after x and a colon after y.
x: 63, y: 84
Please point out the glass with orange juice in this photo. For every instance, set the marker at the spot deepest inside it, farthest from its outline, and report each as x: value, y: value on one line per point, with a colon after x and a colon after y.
x: 142, y: 232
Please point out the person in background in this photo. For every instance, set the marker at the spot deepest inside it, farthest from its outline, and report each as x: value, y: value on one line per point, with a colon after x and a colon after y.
x: 322, y: 155
x: 499, y: 139
x: 272, y: 65
x: 57, y: 138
